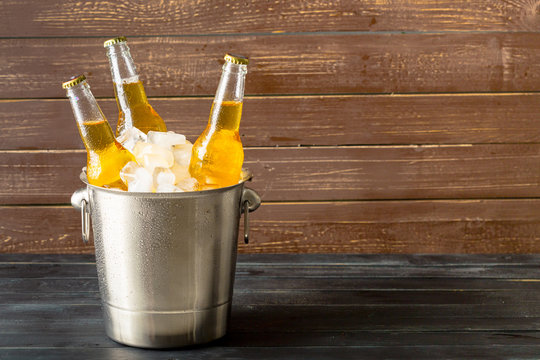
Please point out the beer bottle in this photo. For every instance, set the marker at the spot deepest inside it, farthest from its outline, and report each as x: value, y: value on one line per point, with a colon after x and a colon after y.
x: 133, y: 106
x: 105, y: 156
x: 217, y: 155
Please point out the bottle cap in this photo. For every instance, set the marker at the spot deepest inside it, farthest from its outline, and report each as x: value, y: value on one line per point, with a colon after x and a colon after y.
x: 116, y: 40
x: 236, y: 59
x: 74, y: 81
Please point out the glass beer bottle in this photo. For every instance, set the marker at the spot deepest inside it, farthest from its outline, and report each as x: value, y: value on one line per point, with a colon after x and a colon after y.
x: 217, y: 155
x: 105, y: 156
x: 133, y: 106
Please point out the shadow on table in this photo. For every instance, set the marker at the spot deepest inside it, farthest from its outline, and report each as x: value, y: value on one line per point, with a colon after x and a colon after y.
x: 291, y: 325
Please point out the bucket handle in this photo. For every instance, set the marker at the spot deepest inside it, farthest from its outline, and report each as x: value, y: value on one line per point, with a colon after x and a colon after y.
x: 250, y: 202
x: 79, y: 200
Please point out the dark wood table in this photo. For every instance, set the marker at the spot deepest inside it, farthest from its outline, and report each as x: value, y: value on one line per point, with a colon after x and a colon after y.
x: 297, y: 307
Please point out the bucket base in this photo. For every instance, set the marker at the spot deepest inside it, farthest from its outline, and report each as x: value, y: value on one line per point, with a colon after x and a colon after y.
x: 165, y: 329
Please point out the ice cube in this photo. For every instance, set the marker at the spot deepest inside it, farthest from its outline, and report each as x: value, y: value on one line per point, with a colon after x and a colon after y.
x: 152, y: 156
x: 180, y: 172
x: 167, y: 188
x: 182, y: 153
x: 163, y: 176
x: 143, y: 181
x: 187, y: 184
x: 130, y: 137
x: 166, y: 139
x: 136, y: 178
x: 127, y: 173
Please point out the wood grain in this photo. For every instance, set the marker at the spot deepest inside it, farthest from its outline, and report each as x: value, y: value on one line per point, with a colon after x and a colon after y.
x: 327, y: 173
x: 343, y: 297
x: 85, y: 283
x: 319, y: 173
x: 281, y: 352
x: 348, y: 101
x: 296, y: 64
x: 474, y: 226
x: 385, y: 318
x: 304, y: 120
x: 386, y: 340
x: 69, y: 18
x: 428, y: 226
x: 422, y: 306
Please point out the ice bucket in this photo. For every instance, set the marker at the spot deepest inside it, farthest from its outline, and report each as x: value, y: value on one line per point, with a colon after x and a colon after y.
x: 165, y: 261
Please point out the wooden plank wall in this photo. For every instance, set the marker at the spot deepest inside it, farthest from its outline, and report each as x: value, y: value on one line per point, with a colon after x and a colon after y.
x: 370, y: 126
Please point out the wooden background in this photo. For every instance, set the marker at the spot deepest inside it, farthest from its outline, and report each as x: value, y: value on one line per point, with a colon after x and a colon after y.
x: 370, y: 126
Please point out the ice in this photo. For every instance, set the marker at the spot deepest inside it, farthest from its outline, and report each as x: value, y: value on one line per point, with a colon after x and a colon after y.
x: 180, y: 172
x: 152, y: 156
x: 130, y: 137
x: 167, y: 188
x: 182, y: 153
x: 163, y: 176
x: 162, y: 162
x: 137, y: 178
x: 166, y: 139
x: 187, y: 184
x: 184, y: 181
x: 127, y: 173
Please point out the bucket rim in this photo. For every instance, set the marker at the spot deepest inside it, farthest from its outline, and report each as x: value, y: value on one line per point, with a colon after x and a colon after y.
x: 247, y: 175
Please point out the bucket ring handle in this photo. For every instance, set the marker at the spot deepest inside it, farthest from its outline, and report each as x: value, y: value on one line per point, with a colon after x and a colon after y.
x: 79, y: 200
x: 85, y: 221
x: 250, y: 202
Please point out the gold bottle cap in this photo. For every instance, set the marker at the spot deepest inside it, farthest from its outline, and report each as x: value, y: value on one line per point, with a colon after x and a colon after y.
x: 236, y: 59
x: 74, y: 81
x: 116, y: 40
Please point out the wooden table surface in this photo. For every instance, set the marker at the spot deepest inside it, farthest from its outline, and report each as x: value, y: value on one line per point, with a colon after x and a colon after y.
x: 297, y: 307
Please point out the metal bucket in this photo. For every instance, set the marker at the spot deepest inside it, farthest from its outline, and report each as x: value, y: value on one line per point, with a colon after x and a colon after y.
x: 165, y: 261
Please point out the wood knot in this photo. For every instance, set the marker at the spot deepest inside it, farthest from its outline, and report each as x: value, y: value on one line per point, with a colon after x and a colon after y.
x: 534, y: 8
x: 530, y: 19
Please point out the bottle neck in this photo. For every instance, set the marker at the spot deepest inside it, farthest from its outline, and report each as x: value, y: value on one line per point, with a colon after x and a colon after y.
x: 123, y: 68
x: 129, y: 90
x: 84, y: 104
x: 232, y: 82
x: 89, y: 117
x: 229, y: 97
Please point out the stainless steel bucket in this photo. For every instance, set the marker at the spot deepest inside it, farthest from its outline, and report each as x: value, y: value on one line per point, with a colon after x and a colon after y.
x: 165, y: 261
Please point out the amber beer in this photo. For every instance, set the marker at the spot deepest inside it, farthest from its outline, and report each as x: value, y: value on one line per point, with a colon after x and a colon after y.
x: 134, y: 109
x: 217, y: 155
x: 140, y: 115
x: 105, y: 156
